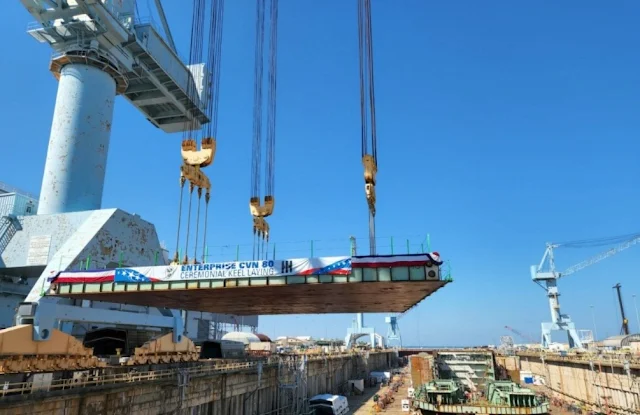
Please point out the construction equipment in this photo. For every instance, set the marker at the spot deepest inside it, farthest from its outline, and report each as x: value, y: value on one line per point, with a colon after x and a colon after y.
x: 624, y: 329
x: 164, y: 350
x: 393, y: 329
x: 546, y: 272
x: 258, y: 211
x: 194, y: 160
x: 20, y: 354
x: 521, y: 335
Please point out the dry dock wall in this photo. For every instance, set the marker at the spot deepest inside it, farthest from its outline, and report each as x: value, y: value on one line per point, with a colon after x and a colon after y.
x: 232, y: 393
x: 597, y: 383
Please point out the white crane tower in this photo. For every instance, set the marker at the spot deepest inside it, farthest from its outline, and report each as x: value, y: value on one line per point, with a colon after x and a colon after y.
x: 546, y: 272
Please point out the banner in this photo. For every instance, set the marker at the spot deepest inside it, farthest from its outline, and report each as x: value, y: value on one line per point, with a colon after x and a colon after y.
x: 390, y: 261
x: 211, y: 271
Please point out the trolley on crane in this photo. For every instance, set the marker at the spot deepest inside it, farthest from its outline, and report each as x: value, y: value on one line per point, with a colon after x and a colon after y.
x: 546, y: 272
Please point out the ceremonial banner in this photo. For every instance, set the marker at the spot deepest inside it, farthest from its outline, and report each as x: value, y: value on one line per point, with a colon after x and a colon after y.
x: 219, y: 270
x: 391, y: 261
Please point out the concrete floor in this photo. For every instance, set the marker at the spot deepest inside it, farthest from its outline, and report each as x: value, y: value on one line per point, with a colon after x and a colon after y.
x: 363, y: 404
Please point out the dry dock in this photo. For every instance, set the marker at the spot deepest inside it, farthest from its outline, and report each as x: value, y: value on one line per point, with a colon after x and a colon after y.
x: 606, y: 383
x: 250, y: 388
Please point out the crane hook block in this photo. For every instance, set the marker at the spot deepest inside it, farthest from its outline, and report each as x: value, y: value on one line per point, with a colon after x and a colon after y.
x: 195, y: 176
x: 261, y: 227
x: 261, y: 211
x: 201, y: 158
x: 370, y: 169
x: 370, y: 192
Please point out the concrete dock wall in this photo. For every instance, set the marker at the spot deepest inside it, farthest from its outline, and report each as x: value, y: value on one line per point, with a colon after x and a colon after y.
x: 250, y: 391
x: 608, y: 385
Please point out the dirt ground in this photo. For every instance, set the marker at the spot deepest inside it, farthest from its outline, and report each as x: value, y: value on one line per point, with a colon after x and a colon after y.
x: 363, y: 404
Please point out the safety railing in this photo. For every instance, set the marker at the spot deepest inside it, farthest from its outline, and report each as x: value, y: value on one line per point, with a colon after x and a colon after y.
x: 280, y: 250
x: 203, y: 369
x: 602, y: 358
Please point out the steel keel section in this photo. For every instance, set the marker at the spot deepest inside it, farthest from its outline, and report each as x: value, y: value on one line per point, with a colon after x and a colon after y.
x: 77, y: 156
x: 383, y: 290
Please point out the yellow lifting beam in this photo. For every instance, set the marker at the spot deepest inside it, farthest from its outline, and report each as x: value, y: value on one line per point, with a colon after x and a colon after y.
x: 201, y: 158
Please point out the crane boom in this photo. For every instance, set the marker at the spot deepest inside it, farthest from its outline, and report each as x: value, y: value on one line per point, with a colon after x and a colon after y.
x: 599, y: 257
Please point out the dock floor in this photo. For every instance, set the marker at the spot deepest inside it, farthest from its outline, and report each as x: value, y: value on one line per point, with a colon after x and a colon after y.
x: 363, y: 404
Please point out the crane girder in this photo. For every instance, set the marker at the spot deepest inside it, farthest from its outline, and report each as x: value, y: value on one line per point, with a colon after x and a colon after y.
x: 539, y: 274
x: 599, y: 257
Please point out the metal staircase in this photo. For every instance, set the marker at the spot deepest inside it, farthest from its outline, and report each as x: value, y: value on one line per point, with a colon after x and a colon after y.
x: 9, y: 225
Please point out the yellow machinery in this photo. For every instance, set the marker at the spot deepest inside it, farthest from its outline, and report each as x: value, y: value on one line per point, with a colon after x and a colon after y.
x: 260, y: 225
x: 370, y: 171
x: 20, y: 354
x: 193, y: 161
x: 164, y: 350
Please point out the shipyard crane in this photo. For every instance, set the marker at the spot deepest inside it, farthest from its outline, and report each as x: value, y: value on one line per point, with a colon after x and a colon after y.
x: 520, y: 334
x: 393, y: 329
x: 101, y: 50
x: 546, y: 272
x: 624, y: 329
x: 259, y: 212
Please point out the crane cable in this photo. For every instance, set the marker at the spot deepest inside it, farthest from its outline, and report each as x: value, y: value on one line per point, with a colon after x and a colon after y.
x: 368, y: 113
x: 191, y: 130
x: 213, y: 63
x: 259, y: 212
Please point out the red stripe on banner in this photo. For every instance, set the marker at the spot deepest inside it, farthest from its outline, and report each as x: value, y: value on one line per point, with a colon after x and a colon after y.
x: 340, y: 272
x: 389, y: 264
x: 71, y: 280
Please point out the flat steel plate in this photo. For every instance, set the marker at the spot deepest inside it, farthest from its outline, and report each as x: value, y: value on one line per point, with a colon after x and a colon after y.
x: 287, y: 298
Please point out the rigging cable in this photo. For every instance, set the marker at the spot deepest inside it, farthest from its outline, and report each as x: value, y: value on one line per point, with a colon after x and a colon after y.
x: 204, y: 101
x: 195, y: 56
x: 188, y: 143
x: 258, y: 211
x: 368, y: 113
x: 213, y: 96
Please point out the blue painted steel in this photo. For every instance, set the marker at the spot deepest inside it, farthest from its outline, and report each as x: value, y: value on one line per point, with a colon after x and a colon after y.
x: 79, y: 142
x: 17, y: 204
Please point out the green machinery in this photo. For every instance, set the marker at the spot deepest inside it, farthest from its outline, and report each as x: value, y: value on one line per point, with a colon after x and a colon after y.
x: 501, y: 397
x: 506, y: 393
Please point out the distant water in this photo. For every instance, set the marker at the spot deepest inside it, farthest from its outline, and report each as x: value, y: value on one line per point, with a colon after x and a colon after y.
x: 438, y: 347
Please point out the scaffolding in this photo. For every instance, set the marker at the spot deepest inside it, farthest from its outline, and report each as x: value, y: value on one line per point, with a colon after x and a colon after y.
x: 292, y: 385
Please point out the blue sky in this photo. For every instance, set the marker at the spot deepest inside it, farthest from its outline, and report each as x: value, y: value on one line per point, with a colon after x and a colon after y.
x: 501, y: 125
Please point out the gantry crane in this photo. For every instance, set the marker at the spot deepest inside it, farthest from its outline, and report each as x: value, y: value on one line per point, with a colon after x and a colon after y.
x: 546, y: 272
x: 393, y: 329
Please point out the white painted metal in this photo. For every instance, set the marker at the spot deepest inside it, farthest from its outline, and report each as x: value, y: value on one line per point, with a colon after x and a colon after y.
x: 79, y: 143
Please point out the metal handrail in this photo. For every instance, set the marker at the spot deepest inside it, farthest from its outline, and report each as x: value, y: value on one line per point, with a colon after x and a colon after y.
x: 11, y: 189
x: 23, y: 388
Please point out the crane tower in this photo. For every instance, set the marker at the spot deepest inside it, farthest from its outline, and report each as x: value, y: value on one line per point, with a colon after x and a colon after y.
x: 546, y: 272
x: 99, y: 51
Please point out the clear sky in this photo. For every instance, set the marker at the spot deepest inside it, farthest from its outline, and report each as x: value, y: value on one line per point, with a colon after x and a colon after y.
x: 501, y: 125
